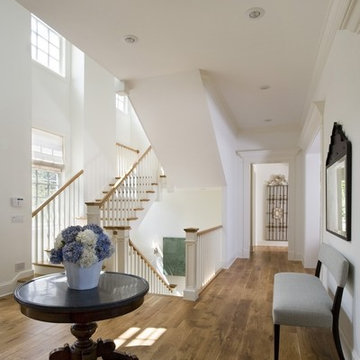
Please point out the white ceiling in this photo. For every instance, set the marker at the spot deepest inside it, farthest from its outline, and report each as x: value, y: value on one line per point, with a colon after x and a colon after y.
x: 238, y: 55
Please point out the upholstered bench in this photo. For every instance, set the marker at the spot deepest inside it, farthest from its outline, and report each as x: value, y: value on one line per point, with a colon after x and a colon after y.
x: 301, y: 299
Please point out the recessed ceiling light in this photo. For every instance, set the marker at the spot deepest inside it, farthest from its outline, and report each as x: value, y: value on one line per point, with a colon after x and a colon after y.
x: 255, y: 13
x: 130, y: 39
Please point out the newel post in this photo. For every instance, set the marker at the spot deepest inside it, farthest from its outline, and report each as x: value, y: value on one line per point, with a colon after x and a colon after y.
x: 191, y: 291
x: 120, y: 238
x: 93, y: 213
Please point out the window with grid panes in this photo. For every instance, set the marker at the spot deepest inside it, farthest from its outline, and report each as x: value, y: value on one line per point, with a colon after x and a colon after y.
x: 47, y: 46
x: 47, y: 165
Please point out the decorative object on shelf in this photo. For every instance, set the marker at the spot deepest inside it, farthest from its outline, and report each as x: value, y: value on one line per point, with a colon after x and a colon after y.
x: 82, y: 251
x: 338, y: 184
x: 277, y: 208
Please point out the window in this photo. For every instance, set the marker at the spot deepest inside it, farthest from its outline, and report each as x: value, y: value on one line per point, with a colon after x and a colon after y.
x: 47, y: 46
x: 44, y: 184
x: 47, y: 164
x: 122, y: 103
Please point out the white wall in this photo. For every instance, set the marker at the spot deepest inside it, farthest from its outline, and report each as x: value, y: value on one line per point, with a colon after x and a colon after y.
x: 341, y: 94
x: 15, y: 142
x: 174, y: 114
x: 308, y: 217
x: 183, y: 208
x: 271, y: 138
x: 76, y: 99
x: 99, y: 129
x: 129, y: 130
x: 312, y: 213
x: 232, y: 207
x: 81, y: 107
x: 50, y: 106
x: 262, y: 174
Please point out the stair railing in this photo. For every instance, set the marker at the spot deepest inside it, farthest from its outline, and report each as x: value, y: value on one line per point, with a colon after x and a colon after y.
x: 126, y: 157
x: 129, y: 193
x: 140, y: 266
x: 56, y: 213
x: 203, y: 253
x: 129, y: 259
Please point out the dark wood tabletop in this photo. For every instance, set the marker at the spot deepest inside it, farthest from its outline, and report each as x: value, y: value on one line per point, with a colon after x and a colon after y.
x: 48, y: 298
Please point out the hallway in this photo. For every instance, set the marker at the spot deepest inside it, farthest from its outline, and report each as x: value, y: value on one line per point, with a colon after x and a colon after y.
x: 232, y: 320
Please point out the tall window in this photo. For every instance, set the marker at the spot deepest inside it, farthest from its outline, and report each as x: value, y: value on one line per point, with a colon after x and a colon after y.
x: 122, y: 103
x: 47, y: 46
x: 47, y: 164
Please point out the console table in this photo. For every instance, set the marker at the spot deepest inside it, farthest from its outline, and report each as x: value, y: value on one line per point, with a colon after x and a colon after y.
x: 48, y: 298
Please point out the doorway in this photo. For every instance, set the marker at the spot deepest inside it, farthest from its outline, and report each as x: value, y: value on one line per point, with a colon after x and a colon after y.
x: 269, y: 209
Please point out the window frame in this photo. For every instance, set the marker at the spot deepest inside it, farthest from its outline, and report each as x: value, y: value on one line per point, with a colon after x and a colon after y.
x: 47, y: 167
x: 37, y: 36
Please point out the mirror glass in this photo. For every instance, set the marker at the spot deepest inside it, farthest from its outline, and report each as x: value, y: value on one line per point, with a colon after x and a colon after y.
x: 338, y: 184
x: 336, y: 197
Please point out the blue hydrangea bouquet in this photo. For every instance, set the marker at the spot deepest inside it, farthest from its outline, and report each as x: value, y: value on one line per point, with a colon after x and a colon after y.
x: 84, y: 246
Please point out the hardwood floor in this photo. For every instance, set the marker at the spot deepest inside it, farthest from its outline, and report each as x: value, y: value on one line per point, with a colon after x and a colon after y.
x: 231, y: 320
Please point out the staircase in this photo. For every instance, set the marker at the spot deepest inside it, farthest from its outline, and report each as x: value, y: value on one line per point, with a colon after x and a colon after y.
x: 127, y: 199
x: 123, y: 205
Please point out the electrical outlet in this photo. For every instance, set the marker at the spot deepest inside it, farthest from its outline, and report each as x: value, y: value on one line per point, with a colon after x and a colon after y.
x: 17, y: 219
x: 19, y: 267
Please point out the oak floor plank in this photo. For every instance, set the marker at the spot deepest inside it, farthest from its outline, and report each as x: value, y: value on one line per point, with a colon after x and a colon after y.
x: 231, y: 321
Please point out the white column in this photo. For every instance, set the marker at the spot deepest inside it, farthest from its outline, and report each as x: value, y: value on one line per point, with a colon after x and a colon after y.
x: 93, y: 213
x: 191, y: 291
x: 120, y: 239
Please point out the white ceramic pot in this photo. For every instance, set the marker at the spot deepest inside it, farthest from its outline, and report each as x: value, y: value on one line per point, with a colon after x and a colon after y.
x: 82, y: 278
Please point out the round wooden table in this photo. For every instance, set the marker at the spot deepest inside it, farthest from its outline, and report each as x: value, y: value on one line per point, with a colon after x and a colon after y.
x: 48, y: 298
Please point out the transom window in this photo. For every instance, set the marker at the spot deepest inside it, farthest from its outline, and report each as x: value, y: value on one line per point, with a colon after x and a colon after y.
x: 47, y: 46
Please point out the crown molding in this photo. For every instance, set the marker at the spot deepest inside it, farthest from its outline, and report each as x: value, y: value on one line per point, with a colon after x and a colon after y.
x: 351, y: 20
x: 341, y: 14
x: 312, y: 126
x: 267, y: 155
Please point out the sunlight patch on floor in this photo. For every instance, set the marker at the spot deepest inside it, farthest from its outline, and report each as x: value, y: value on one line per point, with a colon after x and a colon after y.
x: 126, y: 336
x: 132, y: 337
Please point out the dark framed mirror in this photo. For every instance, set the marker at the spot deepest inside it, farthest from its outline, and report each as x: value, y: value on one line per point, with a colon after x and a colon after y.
x: 338, y: 184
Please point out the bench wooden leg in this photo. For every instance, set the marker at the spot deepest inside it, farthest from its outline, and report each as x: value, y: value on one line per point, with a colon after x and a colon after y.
x: 276, y: 341
x: 336, y: 335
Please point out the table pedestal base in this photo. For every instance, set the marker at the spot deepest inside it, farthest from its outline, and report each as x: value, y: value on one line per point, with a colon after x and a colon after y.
x: 86, y: 349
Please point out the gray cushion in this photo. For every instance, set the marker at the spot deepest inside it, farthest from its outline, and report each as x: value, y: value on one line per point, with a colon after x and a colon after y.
x: 301, y: 300
x: 335, y: 262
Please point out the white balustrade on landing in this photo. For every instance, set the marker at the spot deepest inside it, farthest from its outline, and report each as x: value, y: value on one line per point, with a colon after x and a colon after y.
x: 209, y: 255
x: 203, y: 259
x: 130, y: 191
x: 126, y: 158
x: 138, y: 265
x: 61, y: 210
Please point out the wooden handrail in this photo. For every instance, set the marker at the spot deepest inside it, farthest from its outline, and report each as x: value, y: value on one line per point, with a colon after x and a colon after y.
x: 121, y: 180
x: 127, y: 147
x: 56, y: 193
x: 203, y: 232
x: 149, y: 265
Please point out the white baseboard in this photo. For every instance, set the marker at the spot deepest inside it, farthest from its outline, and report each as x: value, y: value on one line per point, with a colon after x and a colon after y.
x: 349, y: 353
x: 7, y: 288
x: 226, y: 265
x: 191, y: 295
